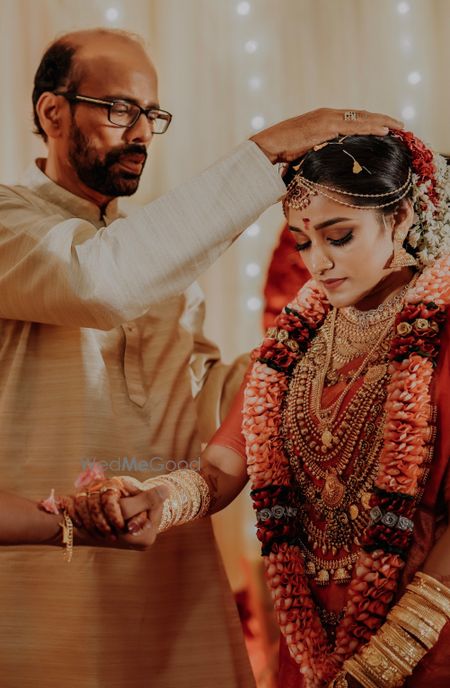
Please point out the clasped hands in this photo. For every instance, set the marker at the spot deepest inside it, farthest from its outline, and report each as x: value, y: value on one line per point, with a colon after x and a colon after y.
x: 120, y: 512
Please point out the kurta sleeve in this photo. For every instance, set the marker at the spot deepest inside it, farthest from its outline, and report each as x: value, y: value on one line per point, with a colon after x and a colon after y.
x: 63, y: 271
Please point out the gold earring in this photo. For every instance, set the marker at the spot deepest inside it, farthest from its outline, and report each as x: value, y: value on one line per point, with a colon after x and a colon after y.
x: 400, y: 258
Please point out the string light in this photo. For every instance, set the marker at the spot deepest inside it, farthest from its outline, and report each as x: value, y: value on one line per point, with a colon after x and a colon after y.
x: 414, y: 78
x: 403, y: 7
x: 243, y: 8
x: 253, y: 230
x: 254, y: 303
x: 255, y: 83
x: 112, y: 14
x: 251, y: 47
x: 408, y: 112
x: 257, y: 122
x: 252, y: 269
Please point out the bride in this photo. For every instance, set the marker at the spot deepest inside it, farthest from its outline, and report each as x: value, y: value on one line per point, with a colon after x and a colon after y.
x: 343, y: 427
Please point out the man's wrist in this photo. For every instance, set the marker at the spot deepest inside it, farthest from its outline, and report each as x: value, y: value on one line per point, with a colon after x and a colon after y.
x: 273, y: 157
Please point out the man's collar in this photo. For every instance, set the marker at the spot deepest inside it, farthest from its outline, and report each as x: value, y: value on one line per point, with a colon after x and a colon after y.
x: 34, y: 178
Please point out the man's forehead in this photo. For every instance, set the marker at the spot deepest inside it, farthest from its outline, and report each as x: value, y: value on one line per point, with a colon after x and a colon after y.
x: 114, y: 64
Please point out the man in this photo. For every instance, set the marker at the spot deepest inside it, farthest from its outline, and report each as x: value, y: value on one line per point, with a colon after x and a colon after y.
x: 100, y: 347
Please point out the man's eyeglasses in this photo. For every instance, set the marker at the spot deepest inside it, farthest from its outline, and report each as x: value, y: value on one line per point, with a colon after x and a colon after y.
x: 122, y: 113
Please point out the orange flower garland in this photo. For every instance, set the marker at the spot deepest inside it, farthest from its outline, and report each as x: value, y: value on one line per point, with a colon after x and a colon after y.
x: 403, y: 469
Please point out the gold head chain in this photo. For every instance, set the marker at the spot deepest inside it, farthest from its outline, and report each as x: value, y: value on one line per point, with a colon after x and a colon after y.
x: 300, y: 190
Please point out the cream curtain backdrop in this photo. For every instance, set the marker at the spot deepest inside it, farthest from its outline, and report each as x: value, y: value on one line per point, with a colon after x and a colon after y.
x: 226, y: 68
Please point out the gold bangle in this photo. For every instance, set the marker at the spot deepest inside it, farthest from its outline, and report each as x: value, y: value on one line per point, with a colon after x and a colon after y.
x: 432, y: 596
x: 406, y: 645
x: 67, y: 536
x: 414, y: 625
x: 383, y: 671
x: 431, y: 617
x: 353, y: 668
x: 423, y: 579
x: 339, y: 681
x: 427, y: 604
x: 189, y: 497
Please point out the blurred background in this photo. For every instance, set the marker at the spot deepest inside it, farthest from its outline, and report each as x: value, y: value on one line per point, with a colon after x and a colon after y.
x: 228, y: 68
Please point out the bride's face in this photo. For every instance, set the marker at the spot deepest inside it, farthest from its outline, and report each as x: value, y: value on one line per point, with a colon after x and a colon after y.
x: 345, y: 249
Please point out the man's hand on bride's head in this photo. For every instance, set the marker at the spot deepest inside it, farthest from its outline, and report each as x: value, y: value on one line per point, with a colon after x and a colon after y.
x: 292, y: 138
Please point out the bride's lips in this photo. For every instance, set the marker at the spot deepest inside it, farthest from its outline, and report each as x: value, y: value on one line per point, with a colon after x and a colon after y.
x: 333, y: 283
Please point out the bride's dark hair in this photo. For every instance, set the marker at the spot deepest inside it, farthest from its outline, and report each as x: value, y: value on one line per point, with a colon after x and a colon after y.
x: 385, y: 163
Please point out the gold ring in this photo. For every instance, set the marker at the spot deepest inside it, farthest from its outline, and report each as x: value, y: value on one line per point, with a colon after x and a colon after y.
x: 105, y: 488
x: 350, y: 116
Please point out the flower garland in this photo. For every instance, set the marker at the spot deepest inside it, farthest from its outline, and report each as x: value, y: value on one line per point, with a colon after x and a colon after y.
x: 403, y: 467
x: 429, y: 234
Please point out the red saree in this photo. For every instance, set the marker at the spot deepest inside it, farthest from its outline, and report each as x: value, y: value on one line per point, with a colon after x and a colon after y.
x: 430, y: 519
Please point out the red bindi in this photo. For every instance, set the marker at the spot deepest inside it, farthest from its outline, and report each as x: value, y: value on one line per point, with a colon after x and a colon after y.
x: 306, y: 222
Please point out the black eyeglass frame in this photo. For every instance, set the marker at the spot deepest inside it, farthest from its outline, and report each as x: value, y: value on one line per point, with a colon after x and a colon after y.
x: 163, y: 115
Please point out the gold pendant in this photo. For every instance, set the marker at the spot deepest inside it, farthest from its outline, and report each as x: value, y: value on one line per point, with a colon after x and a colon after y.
x: 375, y: 373
x: 333, y: 490
x: 354, y: 512
x: 327, y: 439
x: 342, y: 576
x: 365, y: 499
x: 323, y: 577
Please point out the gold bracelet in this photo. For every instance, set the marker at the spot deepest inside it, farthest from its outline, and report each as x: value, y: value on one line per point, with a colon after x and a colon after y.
x: 433, y: 618
x: 428, y: 608
x: 377, y: 664
x: 189, y: 497
x: 433, y: 596
x: 339, y: 681
x: 413, y: 625
x: 424, y: 579
x: 353, y: 668
x: 67, y: 536
x: 405, y: 644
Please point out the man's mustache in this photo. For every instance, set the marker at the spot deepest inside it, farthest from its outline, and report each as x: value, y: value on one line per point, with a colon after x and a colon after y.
x: 114, y: 155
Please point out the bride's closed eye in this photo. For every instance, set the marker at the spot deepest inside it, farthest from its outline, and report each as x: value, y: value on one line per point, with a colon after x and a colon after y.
x: 334, y: 242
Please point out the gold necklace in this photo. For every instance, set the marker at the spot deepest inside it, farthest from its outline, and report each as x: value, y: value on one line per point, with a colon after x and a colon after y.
x: 327, y: 417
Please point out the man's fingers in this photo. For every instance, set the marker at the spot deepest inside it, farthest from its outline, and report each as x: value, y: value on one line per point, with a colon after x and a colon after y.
x: 145, y: 501
x: 83, y: 514
x: 110, y: 501
x: 68, y: 504
x: 95, y: 507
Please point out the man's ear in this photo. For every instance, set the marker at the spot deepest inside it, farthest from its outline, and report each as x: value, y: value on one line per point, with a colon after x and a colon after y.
x: 403, y: 216
x: 50, y: 109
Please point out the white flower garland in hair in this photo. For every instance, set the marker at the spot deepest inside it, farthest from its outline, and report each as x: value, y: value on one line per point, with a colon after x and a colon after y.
x: 430, y: 232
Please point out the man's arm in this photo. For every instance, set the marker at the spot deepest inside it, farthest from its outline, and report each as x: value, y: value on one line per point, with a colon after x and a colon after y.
x: 23, y: 523
x: 65, y: 272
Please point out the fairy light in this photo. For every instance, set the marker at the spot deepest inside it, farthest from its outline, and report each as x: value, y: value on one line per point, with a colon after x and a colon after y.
x: 252, y: 269
x: 408, y: 112
x: 257, y: 122
x: 251, y: 47
x: 112, y: 14
x: 253, y: 230
x: 403, y: 7
x: 255, y: 83
x: 254, y: 303
x: 243, y: 8
x: 414, y: 78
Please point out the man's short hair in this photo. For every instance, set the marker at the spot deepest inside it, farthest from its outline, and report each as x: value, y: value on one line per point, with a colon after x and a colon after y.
x: 54, y: 73
x: 58, y: 68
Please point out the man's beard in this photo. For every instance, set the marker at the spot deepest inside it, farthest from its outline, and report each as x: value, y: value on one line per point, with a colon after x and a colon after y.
x: 98, y: 174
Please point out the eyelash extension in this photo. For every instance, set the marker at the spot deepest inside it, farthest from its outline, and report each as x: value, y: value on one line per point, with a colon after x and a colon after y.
x: 334, y: 242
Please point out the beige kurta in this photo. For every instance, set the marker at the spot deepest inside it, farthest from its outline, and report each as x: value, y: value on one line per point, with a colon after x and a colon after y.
x: 98, y: 344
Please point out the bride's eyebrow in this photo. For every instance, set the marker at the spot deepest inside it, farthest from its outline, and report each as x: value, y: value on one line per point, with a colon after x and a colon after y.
x: 323, y: 225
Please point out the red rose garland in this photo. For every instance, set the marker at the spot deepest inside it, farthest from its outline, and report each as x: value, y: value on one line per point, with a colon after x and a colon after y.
x: 398, y: 486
